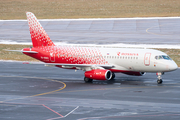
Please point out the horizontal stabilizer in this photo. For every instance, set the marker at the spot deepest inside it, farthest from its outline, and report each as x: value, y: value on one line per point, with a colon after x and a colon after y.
x: 29, y: 51
x: 22, y: 51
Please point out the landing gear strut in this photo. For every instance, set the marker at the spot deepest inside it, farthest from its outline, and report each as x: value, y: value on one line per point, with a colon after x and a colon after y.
x: 88, y: 80
x: 159, y: 81
x: 113, y: 76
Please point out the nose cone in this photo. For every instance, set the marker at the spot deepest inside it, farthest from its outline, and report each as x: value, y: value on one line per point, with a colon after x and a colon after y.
x: 173, y: 66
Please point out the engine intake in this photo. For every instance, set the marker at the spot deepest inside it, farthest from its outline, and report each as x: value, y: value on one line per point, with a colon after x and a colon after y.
x: 99, y: 74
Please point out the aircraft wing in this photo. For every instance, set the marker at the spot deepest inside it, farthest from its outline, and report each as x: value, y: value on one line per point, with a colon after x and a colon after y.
x: 73, y: 65
x: 82, y: 65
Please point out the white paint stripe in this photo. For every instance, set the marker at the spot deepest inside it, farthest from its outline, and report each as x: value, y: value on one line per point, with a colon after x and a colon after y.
x: 120, y: 45
x: 65, y: 115
x: 71, y: 111
x: 88, y: 19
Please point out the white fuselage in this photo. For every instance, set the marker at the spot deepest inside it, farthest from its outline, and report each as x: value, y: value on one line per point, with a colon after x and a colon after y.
x: 140, y: 60
x: 127, y: 59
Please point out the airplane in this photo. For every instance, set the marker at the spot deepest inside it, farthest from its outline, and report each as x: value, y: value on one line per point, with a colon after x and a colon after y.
x: 98, y: 63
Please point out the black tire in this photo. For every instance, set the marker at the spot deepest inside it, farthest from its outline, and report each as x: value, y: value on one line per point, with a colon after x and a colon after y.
x: 159, y: 81
x: 88, y: 80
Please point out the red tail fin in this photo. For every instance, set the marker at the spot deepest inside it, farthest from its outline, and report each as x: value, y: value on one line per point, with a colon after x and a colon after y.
x: 38, y: 35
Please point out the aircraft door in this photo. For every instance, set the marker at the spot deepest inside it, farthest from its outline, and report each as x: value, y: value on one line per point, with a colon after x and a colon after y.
x: 147, y: 57
x: 52, y: 57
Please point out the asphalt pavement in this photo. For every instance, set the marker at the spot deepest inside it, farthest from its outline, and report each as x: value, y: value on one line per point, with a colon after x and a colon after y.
x: 29, y: 91
x: 98, y: 31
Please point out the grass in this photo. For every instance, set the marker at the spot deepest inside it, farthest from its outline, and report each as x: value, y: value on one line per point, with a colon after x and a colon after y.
x: 51, y: 9
x: 56, y: 9
x: 5, y: 55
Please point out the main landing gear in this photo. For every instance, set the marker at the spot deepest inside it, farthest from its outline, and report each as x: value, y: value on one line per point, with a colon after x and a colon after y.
x: 113, y: 76
x: 159, y: 81
x: 88, y: 80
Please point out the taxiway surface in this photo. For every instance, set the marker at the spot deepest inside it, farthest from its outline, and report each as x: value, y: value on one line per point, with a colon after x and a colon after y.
x: 36, y: 92
x: 98, y: 31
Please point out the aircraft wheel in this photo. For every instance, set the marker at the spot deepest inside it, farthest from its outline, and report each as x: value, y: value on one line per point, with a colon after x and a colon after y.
x: 159, y: 81
x: 88, y: 80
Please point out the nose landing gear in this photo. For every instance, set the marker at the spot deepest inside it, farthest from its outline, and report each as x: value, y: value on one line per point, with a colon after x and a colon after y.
x: 159, y: 81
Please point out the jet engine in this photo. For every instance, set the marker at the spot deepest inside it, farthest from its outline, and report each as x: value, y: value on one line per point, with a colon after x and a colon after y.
x: 99, y: 74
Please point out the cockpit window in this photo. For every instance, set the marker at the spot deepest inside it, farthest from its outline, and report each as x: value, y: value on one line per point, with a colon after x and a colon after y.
x: 166, y: 57
x: 162, y: 57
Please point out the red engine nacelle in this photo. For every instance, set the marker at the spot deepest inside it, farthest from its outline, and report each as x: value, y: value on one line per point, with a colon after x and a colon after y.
x: 99, y: 74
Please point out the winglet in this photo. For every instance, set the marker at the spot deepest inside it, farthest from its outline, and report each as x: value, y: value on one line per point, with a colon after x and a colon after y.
x: 38, y: 35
